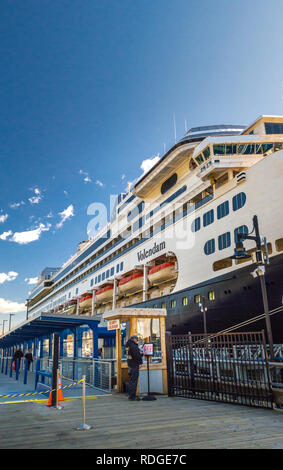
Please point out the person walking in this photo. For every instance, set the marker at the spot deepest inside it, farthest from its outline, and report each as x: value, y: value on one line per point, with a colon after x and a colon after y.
x: 28, y: 356
x: 134, y: 360
x: 18, y: 354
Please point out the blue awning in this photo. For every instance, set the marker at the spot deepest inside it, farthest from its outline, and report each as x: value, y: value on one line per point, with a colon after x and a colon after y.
x: 47, y: 324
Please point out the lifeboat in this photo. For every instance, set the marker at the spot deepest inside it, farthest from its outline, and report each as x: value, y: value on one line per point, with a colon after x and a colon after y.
x: 131, y: 284
x: 162, y: 273
x: 71, y: 307
x: 105, y: 294
x: 85, y: 301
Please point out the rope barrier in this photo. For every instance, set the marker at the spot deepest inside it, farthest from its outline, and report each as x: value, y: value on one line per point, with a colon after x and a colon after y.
x: 39, y: 393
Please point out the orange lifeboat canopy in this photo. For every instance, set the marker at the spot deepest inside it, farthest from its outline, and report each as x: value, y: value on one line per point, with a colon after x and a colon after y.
x: 104, y: 294
x: 162, y: 273
x: 131, y: 284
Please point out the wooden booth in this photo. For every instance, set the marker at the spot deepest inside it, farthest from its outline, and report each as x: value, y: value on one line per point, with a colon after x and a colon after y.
x: 148, y: 324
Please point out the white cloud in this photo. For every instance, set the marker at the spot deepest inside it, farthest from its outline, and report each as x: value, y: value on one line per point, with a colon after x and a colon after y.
x: 148, y: 163
x: 87, y: 179
x: 29, y: 235
x: 123, y: 176
x: 99, y: 183
x: 65, y: 215
x: 35, y: 199
x: 8, y: 306
x: 15, y: 205
x: 11, y: 276
x: 31, y: 280
x: 50, y: 215
x: 3, y: 218
x: 5, y: 235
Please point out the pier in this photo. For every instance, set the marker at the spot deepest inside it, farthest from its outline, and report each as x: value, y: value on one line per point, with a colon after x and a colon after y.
x: 167, y: 423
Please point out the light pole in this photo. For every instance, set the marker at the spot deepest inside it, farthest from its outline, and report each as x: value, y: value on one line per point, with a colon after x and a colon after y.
x: 240, y: 253
x: 3, y: 326
x: 11, y: 315
x: 203, y: 309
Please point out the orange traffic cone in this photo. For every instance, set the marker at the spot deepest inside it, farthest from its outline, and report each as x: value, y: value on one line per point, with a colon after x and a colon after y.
x: 60, y: 394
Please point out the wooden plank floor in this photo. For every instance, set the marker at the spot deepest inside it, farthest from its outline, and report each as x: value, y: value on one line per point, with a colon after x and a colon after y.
x: 167, y: 423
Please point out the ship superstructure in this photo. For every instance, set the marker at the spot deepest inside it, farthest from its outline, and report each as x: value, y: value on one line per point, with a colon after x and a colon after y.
x: 170, y: 239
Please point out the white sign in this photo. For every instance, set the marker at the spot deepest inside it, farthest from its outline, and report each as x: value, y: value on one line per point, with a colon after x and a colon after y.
x: 148, y: 349
x: 113, y: 325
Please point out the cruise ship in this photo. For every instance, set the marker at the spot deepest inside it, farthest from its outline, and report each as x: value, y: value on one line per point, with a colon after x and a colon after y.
x: 170, y: 238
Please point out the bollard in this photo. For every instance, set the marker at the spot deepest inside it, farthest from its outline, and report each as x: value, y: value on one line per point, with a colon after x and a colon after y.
x: 26, y: 371
x: 83, y: 426
x: 17, y: 368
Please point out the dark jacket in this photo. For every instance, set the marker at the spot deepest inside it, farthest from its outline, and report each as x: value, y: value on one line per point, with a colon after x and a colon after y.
x: 28, y: 356
x: 18, y: 355
x: 134, y: 356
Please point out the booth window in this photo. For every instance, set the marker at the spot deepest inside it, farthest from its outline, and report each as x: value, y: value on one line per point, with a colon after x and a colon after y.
x: 125, y: 335
x: 87, y: 343
x: 148, y: 331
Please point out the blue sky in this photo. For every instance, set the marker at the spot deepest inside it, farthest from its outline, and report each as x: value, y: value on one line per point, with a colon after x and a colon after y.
x: 88, y: 92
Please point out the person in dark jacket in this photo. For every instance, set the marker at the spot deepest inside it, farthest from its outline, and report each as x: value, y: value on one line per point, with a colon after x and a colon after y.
x: 28, y: 356
x: 18, y: 354
x: 134, y: 360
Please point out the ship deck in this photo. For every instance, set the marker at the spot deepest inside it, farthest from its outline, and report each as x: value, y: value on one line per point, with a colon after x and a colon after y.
x: 167, y: 423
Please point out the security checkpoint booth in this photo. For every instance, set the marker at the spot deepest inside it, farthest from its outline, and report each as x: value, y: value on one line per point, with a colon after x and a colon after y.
x: 148, y: 324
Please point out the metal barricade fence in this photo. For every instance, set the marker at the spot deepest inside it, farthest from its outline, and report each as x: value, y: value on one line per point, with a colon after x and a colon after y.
x: 98, y: 373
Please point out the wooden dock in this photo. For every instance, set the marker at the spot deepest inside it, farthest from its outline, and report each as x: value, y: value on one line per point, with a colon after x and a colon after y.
x: 167, y: 423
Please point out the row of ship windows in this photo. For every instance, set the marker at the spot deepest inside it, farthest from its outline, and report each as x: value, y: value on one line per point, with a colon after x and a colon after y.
x: 224, y: 240
x: 238, y: 202
x: 107, y: 274
x: 186, y: 300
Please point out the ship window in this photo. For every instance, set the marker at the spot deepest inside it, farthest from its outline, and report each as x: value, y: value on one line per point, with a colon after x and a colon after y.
x: 173, y: 303
x: 69, y: 294
x: 91, y: 282
x: 231, y: 149
x: 211, y: 295
x: 107, y: 273
x: 163, y: 305
x: 77, y: 290
x: 209, y: 247
x: 278, y: 146
x: 96, y: 280
x: 279, y: 244
x: 222, y: 264
x: 222, y: 210
x: 246, y: 149
x: 239, y: 201
x: 273, y: 127
x: 219, y: 149
x: 138, y: 224
x: 169, y: 183
x: 121, y: 266
x: 117, y: 268
x: 224, y: 241
x: 197, y: 298
x: 263, y: 148
x: 136, y: 211
x: 99, y: 277
x: 206, y: 153
x: 199, y: 159
x: 185, y: 301
x: 243, y: 229
x: 196, y: 225
x: 208, y: 218
x: 112, y: 271
x: 103, y: 276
